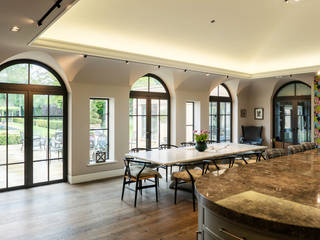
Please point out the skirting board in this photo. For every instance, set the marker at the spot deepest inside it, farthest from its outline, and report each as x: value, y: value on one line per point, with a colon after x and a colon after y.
x: 94, y: 176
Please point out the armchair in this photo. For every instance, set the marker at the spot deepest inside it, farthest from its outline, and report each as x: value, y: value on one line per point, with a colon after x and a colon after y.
x: 251, y: 135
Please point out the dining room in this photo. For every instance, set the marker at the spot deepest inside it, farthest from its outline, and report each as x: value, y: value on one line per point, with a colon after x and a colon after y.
x: 159, y: 120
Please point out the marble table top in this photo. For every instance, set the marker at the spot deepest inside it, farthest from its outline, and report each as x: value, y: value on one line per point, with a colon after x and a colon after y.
x: 281, y: 195
x: 190, y: 154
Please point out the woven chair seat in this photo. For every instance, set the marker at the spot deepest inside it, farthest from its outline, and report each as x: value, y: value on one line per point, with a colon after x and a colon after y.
x: 308, y: 145
x: 146, y: 173
x: 292, y: 149
x: 274, y: 152
x: 184, y: 175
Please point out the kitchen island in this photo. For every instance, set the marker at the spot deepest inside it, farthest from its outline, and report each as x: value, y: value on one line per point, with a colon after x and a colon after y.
x: 271, y: 199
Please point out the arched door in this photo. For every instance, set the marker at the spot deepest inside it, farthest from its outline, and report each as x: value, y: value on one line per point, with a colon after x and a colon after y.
x: 33, y: 126
x: 149, y: 113
x: 220, y: 114
x: 292, y: 113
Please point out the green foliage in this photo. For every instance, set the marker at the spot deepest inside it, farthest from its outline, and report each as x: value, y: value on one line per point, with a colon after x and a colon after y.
x: 201, y: 136
x: 12, y: 139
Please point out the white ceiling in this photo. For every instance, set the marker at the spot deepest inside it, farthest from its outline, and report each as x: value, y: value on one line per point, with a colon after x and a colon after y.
x: 249, y: 39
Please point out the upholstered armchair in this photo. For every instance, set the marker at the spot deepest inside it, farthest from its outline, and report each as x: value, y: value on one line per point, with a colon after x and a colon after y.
x: 251, y: 135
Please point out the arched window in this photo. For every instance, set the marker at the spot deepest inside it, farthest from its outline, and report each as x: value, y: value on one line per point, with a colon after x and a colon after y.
x: 149, y: 113
x: 220, y: 114
x: 292, y: 113
x: 33, y: 127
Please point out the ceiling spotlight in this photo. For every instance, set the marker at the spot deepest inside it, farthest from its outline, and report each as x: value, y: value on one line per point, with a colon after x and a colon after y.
x: 213, y: 21
x: 85, y: 56
x: 227, y: 76
x: 127, y: 62
x: 159, y: 66
x: 15, y: 29
x: 185, y: 70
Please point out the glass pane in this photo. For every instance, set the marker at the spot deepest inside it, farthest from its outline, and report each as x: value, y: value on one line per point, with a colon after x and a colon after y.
x: 3, y: 141
x: 3, y: 104
x: 17, y: 73
x: 140, y: 85
x: 223, y: 92
x: 40, y: 171
x: 142, y: 128
x: 3, y: 177
x: 99, y: 143
x: 287, y: 91
x: 222, y: 128
x: 228, y: 108
x: 15, y: 175
x: 155, y: 131
x: 56, y: 137
x: 155, y: 107
x: 222, y: 108
x: 56, y: 105
x: 55, y: 170
x: 132, y: 132
x: 189, y: 113
x: 40, y: 138
x: 163, y: 130
x: 15, y: 105
x: 163, y: 107
x: 40, y: 105
x: 213, y: 108
x: 228, y: 128
x: 304, y: 119
x: 303, y: 90
x: 214, y: 92
x: 15, y: 140
x: 213, y: 127
x: 132, y: 106
x: 41, y: 76
x: 98, y: 113
x: 156, y: 86
x: 189, y: 134
x: 142, y: 107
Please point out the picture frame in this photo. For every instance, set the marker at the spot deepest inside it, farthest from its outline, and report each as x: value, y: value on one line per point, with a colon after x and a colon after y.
x: 243, y: 113
x: 101, y: 157
x: 258, y: 114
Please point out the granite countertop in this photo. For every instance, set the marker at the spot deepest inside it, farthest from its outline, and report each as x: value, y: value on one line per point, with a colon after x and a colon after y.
x: 281, y: 195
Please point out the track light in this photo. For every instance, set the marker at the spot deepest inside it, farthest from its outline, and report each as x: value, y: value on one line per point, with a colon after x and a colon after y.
x: 127, y: 62
x: 185, y: 70
x: 85, y: 56
x: 159, y: 66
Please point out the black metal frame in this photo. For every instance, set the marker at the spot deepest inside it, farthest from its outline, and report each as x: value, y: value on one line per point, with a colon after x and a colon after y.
x: 191, y: 125
x: 131, y: 179
x: 219, y: 100
x: 167, y: 146
x: 103, y: 129
x: 56, y: 5
x: 29, y: 90
x: 152, y: 96
x: 294, y: 100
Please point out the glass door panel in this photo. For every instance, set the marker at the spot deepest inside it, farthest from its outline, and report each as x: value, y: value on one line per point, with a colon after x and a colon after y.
x: 12, y: 135
x: 47, y: 140
x: 303, y: 121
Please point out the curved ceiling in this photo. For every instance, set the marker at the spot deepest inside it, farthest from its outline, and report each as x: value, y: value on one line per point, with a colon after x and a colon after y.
x: 249, y: 39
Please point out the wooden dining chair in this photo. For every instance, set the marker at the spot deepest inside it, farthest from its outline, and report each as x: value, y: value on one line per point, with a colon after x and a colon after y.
x: 188, y: 175
x: 187, y: 144
x: 167, y: 146
x: 136, y: 174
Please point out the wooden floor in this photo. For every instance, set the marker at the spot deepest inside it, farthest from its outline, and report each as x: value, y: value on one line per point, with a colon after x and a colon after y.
x: 95, y: 211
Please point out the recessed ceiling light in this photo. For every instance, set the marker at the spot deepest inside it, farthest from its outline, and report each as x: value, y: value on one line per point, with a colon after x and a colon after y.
x: 318, y: 73
x: 15, y: 29
x: 213, y: 21
x: 208, y: 74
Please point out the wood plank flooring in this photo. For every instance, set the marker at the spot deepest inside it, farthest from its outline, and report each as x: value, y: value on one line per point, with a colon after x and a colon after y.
x: 95, y: 211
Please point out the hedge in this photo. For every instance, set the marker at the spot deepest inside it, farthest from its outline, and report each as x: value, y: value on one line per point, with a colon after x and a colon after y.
x: 54, y: 124
x: 12, y: 139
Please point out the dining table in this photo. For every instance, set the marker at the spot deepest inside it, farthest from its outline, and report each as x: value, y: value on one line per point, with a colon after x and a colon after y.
x: 182, y: 155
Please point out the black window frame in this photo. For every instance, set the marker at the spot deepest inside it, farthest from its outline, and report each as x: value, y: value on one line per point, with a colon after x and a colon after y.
x: 219, y: 100
x: 29, y: 90
x: 190, y: 125
x: 152, y: 96
x: 101, y: 129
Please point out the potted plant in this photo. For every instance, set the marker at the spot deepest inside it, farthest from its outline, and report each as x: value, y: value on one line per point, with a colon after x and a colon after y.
x: 201, y: 139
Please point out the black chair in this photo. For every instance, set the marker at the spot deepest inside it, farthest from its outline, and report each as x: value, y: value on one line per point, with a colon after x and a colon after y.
x: 214, y: 165
x: 135, y: 150
x: 251, y: 135
x: 187, y: 144
x: 167, y: 146
x: 135, y: 173
x: 187, y: 175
